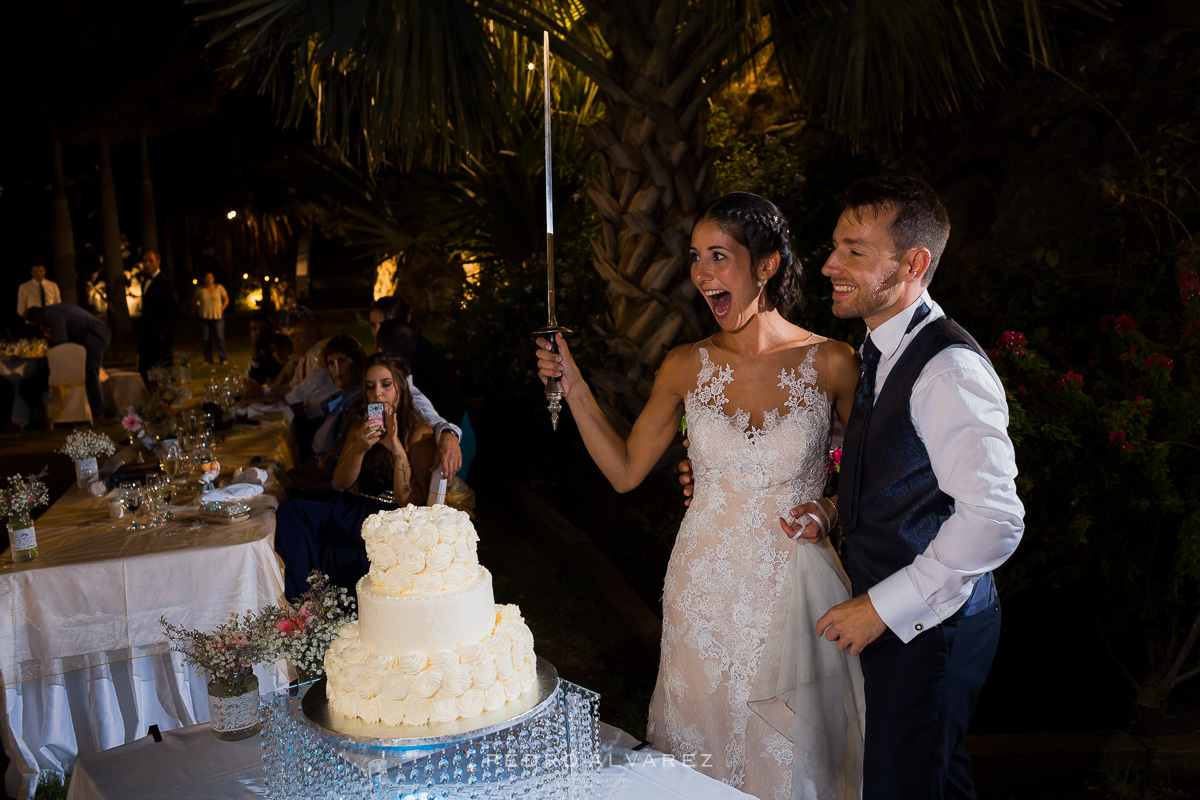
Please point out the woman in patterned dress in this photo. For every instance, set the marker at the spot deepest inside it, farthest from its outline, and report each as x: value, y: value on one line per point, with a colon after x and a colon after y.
x: 746, y: 690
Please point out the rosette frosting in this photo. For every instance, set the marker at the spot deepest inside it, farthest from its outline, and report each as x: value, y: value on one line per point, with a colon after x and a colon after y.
x: 421, y: 549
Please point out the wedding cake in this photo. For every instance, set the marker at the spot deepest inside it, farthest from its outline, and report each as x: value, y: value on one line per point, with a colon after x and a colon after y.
x: 430, y: 643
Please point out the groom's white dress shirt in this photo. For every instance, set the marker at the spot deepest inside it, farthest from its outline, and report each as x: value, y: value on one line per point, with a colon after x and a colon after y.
x: 959, y: 410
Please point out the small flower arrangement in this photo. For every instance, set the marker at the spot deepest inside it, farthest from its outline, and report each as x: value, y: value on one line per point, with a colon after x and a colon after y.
x: 138, y: 419
x: 23, y: 494
x: 131, y: 421
x: 299, y: 632
x: 304, y: 628
x: 81, y: 445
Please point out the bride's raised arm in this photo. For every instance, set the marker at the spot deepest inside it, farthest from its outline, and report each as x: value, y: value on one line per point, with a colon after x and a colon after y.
x: 625, y: 462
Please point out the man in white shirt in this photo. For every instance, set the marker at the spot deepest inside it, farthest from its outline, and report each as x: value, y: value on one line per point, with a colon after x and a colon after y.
x: 37, y: 291
x: 927, y: 496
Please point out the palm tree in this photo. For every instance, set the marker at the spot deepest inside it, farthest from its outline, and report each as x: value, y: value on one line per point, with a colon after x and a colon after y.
x: 387, y: 80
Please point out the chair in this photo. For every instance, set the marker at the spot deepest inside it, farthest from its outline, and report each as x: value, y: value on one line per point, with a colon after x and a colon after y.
x: 67, y: 399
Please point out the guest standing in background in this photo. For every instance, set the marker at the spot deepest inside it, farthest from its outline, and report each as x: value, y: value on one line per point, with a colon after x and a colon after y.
x: 211, y: 302
x: 37, y: 291
x: 67, y: 322
x: 160, y: 314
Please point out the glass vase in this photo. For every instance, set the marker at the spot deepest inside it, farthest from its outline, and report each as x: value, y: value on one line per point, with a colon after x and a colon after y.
x: 233, y: 706
x: 86, y: 470
x: 22, y: 536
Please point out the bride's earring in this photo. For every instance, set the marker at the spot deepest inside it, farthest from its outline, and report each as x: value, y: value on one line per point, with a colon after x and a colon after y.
x: 761, y: 282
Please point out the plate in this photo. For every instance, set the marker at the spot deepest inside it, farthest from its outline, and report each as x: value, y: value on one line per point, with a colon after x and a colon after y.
x: 315, y: 707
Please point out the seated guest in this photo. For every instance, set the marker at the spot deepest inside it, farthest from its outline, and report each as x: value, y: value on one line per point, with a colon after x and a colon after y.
x: 380, y: 467
x: 344, y: 359
x: 432, y: 374
x: 311, y: 384
x: 262, y: 367
x: 67, y: 322
x: 447, y: 435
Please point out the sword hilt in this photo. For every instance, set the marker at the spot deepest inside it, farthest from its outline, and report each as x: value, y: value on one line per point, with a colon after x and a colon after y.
x: 553, y: 385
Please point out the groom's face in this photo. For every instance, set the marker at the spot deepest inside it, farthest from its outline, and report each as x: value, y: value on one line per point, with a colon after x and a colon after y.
x: 864, y: 267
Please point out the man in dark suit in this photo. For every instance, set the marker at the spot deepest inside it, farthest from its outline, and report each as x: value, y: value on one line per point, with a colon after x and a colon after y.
x: 160, y: 315
x: 927, y: 499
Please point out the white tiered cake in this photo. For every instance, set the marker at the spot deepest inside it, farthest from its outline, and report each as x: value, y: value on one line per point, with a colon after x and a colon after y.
x: 430, y: 643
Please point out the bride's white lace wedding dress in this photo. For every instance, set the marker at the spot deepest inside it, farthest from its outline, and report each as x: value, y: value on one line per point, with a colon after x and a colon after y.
x: 747, y: 692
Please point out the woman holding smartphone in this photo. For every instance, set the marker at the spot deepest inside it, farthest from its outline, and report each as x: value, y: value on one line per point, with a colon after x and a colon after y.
x: 388, y: 448
x: 386, y: 458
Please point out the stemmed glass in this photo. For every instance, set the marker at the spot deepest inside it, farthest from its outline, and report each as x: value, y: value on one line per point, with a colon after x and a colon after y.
x: 133, y: 497
x: 154, y: 499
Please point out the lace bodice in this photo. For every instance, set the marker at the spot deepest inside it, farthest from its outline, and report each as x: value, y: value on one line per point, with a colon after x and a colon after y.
x: 787, y: 452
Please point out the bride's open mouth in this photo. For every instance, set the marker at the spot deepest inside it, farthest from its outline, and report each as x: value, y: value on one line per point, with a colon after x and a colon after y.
x: 720, y: 302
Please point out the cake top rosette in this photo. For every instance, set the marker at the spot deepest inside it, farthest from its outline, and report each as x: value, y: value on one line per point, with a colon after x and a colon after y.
x: 421, y: 549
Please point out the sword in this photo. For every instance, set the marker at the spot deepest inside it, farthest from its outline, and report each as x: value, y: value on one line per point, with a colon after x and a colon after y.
x: 553, y: 385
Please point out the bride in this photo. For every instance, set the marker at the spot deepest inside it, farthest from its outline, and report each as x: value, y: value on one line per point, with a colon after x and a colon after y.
x: 746, y: 692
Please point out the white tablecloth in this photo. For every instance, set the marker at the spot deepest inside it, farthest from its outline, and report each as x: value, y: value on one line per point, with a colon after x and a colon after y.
x: 191, y: 762
x: 84, y: 661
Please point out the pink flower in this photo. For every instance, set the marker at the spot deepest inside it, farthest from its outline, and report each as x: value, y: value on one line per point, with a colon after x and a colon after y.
x: 1189, y: 285
x: 1159, y: 360
x: 131, y: 422
x: 1013, y: 342
x: 1124, y: 324
x: 1072, y: 379
x: 289, y: 627
x: 835, y: 461
x: 1118, y: 438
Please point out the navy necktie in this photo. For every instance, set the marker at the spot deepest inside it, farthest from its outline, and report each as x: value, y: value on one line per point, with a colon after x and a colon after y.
x: 42, y: 291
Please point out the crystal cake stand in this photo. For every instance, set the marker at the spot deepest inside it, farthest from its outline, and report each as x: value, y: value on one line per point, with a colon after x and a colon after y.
x: 544, y: 745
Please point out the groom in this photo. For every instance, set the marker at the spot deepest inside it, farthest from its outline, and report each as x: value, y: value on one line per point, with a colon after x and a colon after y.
x: 927, y: 498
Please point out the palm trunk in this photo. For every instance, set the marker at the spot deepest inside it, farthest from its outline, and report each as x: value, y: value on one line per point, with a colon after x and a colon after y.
x: 62, y: 235
x: 114, y: 262
x: 149, y: 216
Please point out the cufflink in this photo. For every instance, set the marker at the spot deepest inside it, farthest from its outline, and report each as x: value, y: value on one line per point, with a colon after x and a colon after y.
x: 919, y: 627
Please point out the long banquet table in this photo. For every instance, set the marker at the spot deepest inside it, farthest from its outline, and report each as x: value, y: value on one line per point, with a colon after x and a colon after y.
x: 84, y: 661
x: 191, y: 762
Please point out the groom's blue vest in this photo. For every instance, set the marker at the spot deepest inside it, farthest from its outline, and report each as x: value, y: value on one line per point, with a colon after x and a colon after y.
x: 899, y: 506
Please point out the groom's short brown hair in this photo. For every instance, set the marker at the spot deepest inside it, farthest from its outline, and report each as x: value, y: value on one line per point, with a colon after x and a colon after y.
x: 921, y: 219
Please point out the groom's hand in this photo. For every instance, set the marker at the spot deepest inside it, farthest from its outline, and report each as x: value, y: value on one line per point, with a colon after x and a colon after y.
x: 852, y: 625
x: 685, y: 476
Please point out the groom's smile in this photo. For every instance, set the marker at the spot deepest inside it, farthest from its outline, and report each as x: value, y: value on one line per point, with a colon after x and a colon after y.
x: 864, y: 269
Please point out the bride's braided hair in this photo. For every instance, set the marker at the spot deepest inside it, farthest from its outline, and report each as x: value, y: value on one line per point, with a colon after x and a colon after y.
x: 757, y: 224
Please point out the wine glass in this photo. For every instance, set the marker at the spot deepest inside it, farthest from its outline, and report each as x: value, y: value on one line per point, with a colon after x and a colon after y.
x: 133, y: 498
x: 153, y: 501
x: 170, y: 462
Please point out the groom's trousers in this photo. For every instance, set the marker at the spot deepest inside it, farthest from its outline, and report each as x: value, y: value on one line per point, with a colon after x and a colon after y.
x: 920, y: 697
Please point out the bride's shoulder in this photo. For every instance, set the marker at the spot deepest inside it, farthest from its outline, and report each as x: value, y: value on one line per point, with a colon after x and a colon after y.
x: 839, y: 361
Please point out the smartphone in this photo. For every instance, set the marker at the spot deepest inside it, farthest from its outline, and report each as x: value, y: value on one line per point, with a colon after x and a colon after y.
x: 375, y: 414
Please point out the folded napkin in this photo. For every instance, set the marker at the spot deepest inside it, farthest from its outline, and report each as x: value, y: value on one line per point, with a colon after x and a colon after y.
x: 250, y: 475
x: 255, y: 410
x: 236, y: 491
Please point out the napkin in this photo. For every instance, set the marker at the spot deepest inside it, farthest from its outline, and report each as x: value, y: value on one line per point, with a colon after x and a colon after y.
x: 255, y: 410
x: 250, y: 475
x: 236, y: 491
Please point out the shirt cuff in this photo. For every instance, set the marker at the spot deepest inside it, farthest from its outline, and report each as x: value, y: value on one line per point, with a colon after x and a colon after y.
x: 902, y: 607
x: 442, y: 427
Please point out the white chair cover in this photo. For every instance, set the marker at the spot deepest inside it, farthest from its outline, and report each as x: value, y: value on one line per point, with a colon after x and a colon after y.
x: 122, y: 388
x: 67, y: 399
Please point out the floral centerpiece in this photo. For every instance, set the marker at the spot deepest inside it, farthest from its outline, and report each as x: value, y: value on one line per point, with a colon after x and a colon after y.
x: 142, y: 421
x: 300, y: 632
x: 17, y: 501
x: 84, y: 447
